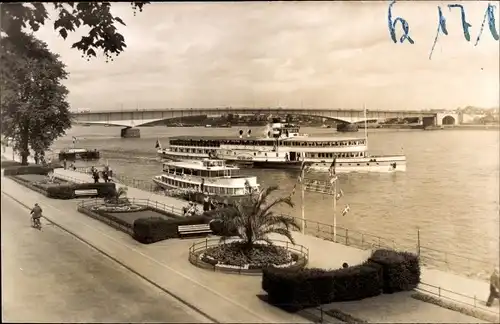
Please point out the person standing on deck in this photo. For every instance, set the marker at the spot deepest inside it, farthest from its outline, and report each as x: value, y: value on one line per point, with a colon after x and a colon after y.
x: 494, y: 288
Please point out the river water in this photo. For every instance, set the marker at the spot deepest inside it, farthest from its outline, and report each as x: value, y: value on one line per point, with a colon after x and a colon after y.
x: 450, y: 189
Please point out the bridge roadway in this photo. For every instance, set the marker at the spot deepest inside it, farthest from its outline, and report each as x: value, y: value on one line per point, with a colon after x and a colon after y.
x: 50, y: 276
x: 136, y: 117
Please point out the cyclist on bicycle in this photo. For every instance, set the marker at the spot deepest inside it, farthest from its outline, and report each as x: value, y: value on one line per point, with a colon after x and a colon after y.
x: 36, y: 213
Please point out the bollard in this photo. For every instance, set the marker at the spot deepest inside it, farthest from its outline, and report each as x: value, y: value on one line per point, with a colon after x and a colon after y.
x: 346, y: 237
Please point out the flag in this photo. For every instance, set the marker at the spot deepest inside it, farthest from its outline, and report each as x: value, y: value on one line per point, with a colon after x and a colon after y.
x: 346, y: 210
x: 331, y: 170
x: 74, y: 140
x: 340, y: 194
x: 158, y: 145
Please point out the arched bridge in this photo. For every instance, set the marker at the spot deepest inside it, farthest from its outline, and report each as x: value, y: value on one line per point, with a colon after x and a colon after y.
x: 134, y: 118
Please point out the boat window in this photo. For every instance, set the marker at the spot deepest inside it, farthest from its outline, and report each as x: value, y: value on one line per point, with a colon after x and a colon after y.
x: 277, y: 155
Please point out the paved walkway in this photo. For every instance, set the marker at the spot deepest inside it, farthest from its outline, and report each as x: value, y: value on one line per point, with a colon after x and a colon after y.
x: 49, y: 276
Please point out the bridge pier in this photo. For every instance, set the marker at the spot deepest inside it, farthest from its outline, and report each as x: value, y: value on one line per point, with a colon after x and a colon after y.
x: 429, y: 121
x: 129, y: 132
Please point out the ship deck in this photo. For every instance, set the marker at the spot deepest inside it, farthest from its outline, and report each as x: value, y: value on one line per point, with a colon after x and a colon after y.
x: 255, y: 138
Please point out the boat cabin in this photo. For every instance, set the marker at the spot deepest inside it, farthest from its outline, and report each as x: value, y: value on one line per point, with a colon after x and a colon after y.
x: 207, y: 168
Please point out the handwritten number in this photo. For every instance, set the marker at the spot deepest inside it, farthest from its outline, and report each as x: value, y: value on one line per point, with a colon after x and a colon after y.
x: 465, y: 24
x: 441, y: 27
x: 490, y: 13
x: 404, y: 25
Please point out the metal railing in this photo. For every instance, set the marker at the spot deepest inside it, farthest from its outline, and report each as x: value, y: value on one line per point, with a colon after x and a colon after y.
x: 146, y: 185
x: 198, y: 247
x: 137, y: 201
x: 462, y: 298
x: 363, y: 240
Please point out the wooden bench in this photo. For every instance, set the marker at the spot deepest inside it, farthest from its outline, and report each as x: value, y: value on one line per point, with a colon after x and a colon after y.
x: 194, y: 230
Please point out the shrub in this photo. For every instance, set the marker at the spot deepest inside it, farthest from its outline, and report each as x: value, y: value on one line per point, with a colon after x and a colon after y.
x: 145, y: 229
x: 304, y: 288
x: 64, y: 191
x: 27, y: 169
x: 104, y: 189
x: 357, y: 282
x: 67, y: 191
x: 401, y: 270
x: 8, y: 164
x: 154, y: 229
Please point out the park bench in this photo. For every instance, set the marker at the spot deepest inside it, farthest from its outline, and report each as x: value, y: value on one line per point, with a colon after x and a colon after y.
x: 194, y: 230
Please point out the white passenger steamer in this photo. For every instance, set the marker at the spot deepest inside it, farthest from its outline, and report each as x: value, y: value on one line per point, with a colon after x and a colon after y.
x: 210, y: 176
x: 284, y: 147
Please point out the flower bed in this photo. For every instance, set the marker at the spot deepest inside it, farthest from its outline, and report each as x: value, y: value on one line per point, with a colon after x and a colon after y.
x: 233, y: 257
x: 62, y: 189
x: 122, y: 208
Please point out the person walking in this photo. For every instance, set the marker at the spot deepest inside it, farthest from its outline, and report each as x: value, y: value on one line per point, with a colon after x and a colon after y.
x: 494, y: 288
x: 95, y: 175
x: 206, y: 204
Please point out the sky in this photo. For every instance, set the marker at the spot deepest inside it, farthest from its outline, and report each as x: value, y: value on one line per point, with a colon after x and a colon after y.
x: 288, y: 54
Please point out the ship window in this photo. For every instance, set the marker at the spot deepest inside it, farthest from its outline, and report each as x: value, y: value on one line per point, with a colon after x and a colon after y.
x: 358, y: 164
x: 254, y: 154
x: 340, y: 164
x: 277, y: 155
x: 367, y: 163
x: 265, y: 154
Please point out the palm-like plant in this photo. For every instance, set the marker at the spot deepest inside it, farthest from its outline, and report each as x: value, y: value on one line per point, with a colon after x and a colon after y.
x: 252, y: 219
x: 119, y: 197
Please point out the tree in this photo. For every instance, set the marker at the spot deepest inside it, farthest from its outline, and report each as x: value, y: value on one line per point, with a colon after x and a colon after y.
x: 253, y: 220
x: 34, y: 107
x: 70, y: 16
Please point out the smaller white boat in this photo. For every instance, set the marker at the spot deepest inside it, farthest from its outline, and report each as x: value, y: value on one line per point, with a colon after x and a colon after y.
x: 209, y: 176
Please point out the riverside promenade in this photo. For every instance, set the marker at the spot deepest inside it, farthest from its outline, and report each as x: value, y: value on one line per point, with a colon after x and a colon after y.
x: 232, y: 298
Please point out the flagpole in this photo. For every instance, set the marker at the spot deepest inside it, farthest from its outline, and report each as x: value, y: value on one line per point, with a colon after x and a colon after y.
x: 302, y: 199
x: 335, y: 209
x: 366, y: 129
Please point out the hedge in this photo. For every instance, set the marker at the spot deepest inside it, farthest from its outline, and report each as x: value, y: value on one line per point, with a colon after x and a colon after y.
x: 27, y: 169
x: 154, y: 229
x: 295, y: 290
x: 401, y: 270
x: 67, y: 191
x: 8, y: 164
